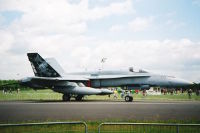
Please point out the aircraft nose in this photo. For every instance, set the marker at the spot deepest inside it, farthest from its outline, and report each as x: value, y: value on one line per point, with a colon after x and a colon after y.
x: 182, y: 82
x: 186, y: 82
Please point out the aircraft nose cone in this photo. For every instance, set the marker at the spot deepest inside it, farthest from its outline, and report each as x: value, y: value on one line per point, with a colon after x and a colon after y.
x: 185, y: 82
x: 182, y: 82
x: 188, y: 82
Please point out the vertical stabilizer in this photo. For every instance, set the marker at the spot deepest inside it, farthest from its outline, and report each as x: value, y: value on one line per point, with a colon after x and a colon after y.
x: 40, y: 67
x: 55, y: 65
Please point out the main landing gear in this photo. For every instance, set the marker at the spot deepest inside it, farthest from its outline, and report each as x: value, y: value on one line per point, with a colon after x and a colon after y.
x: 79, y: 98
x: 66, y: 97
x: 128, y: 98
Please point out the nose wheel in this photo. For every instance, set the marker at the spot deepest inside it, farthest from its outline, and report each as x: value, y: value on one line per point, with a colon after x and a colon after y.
x: 128, y: 98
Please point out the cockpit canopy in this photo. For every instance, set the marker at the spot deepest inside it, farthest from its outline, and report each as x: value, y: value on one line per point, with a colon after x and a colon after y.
x: 131, y: 69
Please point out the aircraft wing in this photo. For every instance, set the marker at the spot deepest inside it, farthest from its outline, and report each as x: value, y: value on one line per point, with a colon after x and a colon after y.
x: 118, y: 76
x: 76, y: 78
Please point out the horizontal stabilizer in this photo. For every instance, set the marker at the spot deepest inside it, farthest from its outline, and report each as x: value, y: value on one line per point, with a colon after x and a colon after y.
x: 60, y: 79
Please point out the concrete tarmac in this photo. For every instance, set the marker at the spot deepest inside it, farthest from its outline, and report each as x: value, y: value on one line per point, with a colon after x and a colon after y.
x: 28, y: 111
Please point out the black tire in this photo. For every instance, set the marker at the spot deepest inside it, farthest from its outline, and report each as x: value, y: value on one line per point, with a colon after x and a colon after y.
x: 79, y: 98
x: 128, y: 98
x: 66, y: 97
x: 131, y: 99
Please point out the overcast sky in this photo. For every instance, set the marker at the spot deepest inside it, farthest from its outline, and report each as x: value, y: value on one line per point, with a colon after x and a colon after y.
x: 162, y: 36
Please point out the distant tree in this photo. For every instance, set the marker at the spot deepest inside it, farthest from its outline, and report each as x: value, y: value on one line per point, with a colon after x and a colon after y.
x: 11, y: 84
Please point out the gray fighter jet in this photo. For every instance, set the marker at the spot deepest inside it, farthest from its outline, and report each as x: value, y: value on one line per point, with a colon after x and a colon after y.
x: 49, y: 74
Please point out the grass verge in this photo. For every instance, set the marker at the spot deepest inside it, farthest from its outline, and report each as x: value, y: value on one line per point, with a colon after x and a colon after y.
x: 50, y: 95
x: 93, y: 127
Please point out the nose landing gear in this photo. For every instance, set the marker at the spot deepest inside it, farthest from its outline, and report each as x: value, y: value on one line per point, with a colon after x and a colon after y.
x: 128, y: 98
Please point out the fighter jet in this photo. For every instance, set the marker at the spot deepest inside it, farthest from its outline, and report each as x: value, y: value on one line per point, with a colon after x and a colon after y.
x: 49, y: 74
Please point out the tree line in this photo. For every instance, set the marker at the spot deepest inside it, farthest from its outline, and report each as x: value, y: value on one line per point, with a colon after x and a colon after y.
x: 11, y: 84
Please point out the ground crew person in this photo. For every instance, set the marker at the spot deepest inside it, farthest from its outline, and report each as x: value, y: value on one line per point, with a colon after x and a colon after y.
x: 189, y: 93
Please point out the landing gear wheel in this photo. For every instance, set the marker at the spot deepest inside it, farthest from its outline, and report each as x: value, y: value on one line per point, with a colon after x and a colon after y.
x: 66, y: 97
x: 128, y: 98
x: 79, y: 98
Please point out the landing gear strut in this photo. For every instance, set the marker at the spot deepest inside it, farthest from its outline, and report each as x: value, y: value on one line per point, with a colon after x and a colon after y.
x: 79, y: 97
x: 66, y: 97
x: 128, y: 98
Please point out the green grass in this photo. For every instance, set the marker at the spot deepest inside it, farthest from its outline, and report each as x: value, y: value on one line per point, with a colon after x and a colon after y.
x: 61, y: 128
x: 93, y: 127
x: 50, y: 95
x: 180, y: 96
x: 31, y: 95
x: 168, y: 97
